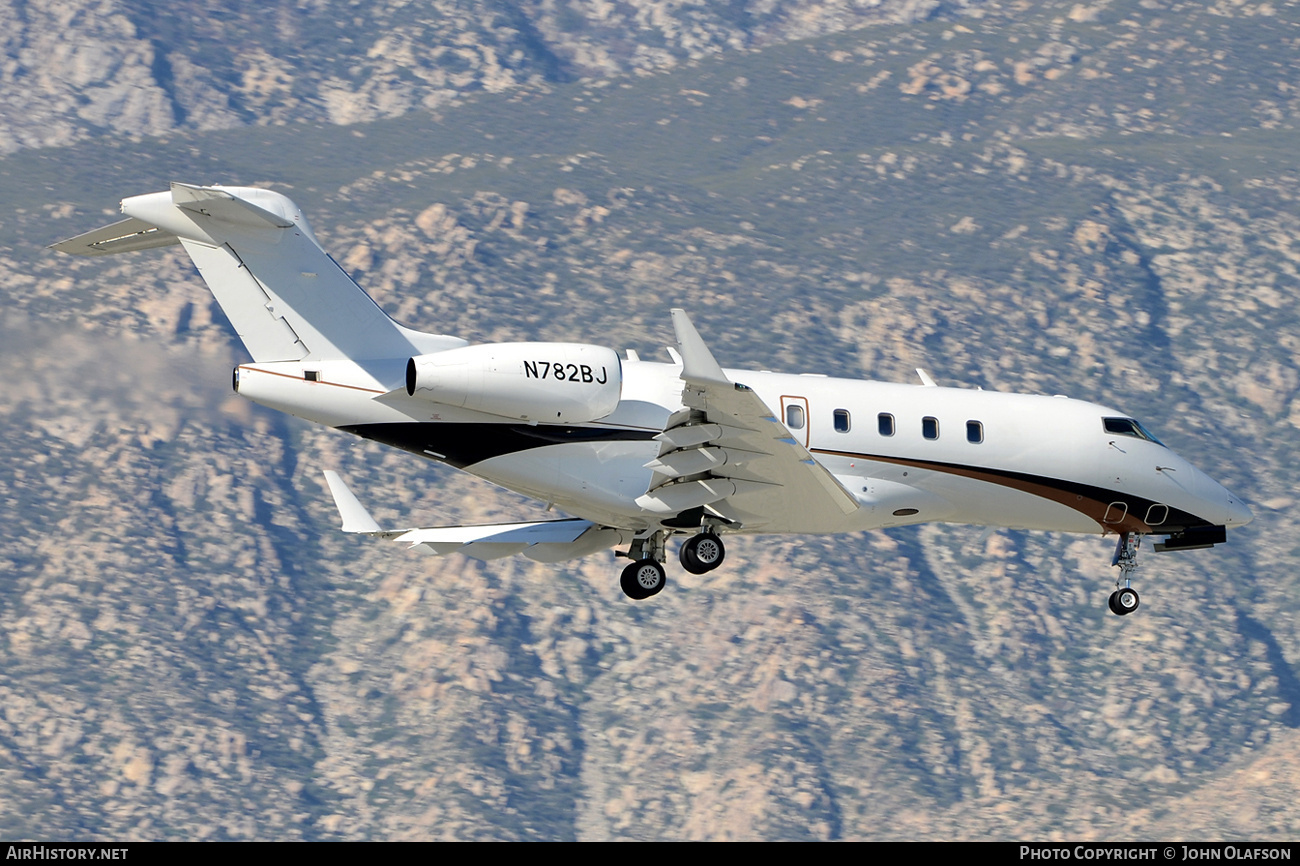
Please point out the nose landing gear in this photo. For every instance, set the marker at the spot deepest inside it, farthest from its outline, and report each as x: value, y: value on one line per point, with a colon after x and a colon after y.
x: 1125, y: 599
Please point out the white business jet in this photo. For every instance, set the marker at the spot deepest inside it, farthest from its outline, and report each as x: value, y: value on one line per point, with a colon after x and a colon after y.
x: 640, y: 451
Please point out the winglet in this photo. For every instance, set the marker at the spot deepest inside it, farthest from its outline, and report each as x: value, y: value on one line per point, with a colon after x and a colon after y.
x: 925, y: 378
x: 698, y: 363
x: 354, y: 514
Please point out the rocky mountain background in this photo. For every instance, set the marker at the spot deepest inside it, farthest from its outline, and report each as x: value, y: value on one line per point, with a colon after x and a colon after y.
x: 1095, y: 199
x: 78, y: 69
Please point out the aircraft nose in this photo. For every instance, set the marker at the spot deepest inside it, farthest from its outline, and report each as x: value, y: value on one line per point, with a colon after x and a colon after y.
x: 1238, y: 513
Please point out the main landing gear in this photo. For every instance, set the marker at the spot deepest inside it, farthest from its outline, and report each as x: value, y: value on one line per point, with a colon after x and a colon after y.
x: 702, y: 552
x: 1125, y: 599
x: 646, y: 577
x: 642, y: 579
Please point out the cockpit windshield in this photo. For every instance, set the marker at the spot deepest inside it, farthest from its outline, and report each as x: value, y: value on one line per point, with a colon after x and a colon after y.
x: 1128, y: 427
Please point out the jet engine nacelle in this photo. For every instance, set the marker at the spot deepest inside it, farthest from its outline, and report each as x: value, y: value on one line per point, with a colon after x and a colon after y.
x: 551, y: 382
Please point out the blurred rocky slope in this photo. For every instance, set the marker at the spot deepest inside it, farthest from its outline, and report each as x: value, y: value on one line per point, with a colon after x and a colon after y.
x: 74, y: 69
x: 1090, y: 199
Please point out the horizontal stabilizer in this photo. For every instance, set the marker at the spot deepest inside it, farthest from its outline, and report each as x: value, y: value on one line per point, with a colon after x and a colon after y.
x: 543, y: 540
x: 123, y: 236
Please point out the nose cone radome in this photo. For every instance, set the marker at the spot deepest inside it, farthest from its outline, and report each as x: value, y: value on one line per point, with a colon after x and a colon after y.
x: 1238, y: 513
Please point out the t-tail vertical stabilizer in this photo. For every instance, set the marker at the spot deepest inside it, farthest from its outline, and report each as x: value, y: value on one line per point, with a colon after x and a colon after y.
x: 285, y: 296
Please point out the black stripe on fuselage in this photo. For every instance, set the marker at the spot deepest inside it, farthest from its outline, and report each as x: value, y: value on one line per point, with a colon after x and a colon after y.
x: 464, y: 444
x: 1084, y: 498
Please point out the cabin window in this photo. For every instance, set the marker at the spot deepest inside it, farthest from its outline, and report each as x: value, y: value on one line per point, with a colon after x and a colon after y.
x: 311, y: 375
x: 842, y: 421
x: 930, y: 427
x: 974, y: 432
x: 1128, y: 427
x: 794, y: 416
x: 885, y: 421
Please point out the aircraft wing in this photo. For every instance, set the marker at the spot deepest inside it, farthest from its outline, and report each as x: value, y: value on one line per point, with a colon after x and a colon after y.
x: 544, y: 541
x: 729, y: 453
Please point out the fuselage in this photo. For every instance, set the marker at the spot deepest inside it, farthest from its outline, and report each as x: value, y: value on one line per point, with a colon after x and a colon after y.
x: 906, y: 453
x: 639, y: 451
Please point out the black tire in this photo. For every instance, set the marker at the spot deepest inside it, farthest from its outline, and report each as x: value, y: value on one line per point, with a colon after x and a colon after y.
x: 643, y: 579
x: 1127, y: 600
x: 1110, y: 603
x: 703, y: 552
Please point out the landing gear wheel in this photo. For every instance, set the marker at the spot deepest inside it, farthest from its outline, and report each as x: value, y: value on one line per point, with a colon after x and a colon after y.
x: 1124, y: 601
x: 703, y: 552
x: 643, y: 579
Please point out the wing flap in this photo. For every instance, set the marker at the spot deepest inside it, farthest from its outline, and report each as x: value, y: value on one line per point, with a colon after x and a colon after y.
x: 550, y: 531
x: 544, y: 541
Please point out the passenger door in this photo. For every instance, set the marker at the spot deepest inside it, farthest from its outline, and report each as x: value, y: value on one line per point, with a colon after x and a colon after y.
x: 794, y: 414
